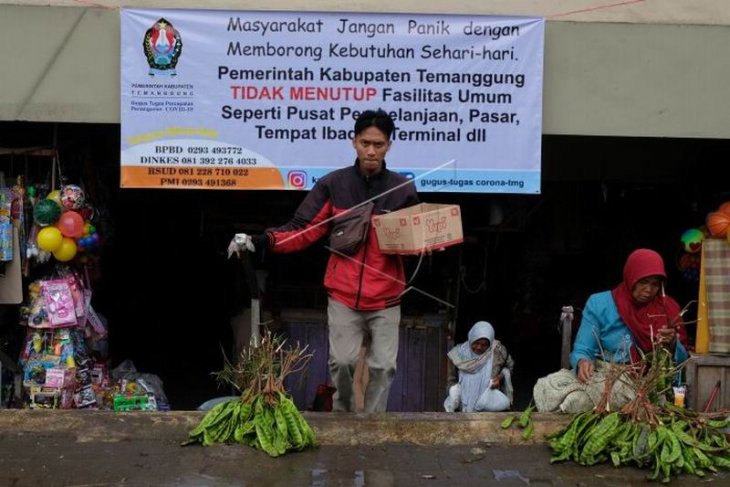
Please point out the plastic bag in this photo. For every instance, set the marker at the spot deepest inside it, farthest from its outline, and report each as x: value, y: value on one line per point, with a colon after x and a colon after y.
x: 150, y: 383
x: 492, y: 400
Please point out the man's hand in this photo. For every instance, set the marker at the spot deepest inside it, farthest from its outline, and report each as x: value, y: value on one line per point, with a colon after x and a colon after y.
x: 241, y: 242
x: 585, y: 370
x: 496, y: 382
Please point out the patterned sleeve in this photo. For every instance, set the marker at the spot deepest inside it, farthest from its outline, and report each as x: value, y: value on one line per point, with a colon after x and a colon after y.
x: 502, y: 359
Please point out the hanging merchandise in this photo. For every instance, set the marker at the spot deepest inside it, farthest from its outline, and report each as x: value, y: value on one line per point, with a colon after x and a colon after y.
x: 55, y: 196
x: 49, y: 360
x: 63, y: 222
x: 718, y: 221
x: 692, y: 240
x: 12, y: 244
x: 717, y: 224
x: 59, y: 303
x: 6, y: 225
x: 71, y: 224
x: 688, y: 262
x: 72, y: 197
x: 64, y: 358
x: 49, y: 239
x: 46, y: 212
x: 55, y: 359
x: 62, y: 236
x: 66, y: 251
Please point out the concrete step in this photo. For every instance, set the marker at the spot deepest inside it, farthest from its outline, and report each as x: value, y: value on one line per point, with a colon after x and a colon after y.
x: 347, y: 429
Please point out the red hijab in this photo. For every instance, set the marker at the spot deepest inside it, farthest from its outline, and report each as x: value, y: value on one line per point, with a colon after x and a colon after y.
x: 646, y: 319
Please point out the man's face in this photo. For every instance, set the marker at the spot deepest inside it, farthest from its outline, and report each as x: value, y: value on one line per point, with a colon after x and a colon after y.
x: 371, y: 146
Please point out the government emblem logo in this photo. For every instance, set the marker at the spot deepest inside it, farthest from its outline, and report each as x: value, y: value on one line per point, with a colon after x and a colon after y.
x: 162, y: 46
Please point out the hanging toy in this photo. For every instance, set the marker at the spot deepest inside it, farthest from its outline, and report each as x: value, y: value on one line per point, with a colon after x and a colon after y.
x: 66, y: 251
x: 37, y: 342
x: 49, y: 239
x: 88, y: 213
x: 725, y: 208
x: 55, y: 196
x: 32, y: 195
x: 90, y: 239
x: 46, y: 212
x: 717, y: 224
x: 692, y: 240
x: 72, y: 197
x: 71, y: 224
x: 689, y: 265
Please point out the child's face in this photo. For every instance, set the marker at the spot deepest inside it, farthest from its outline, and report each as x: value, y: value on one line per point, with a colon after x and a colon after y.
x: 480, y: 346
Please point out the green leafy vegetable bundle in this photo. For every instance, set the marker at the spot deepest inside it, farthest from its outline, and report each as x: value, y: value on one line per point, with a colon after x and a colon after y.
x: 264, y: 417
x: 649, y: 431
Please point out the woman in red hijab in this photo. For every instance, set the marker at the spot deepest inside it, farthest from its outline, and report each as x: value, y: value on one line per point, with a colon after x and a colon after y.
x: 618, y: 325
x: 629, y: 317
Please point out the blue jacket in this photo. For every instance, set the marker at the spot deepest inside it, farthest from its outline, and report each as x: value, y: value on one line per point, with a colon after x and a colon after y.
x: 600, y: 314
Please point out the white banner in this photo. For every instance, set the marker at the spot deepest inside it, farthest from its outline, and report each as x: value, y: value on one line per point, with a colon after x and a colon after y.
x: 267, y: 100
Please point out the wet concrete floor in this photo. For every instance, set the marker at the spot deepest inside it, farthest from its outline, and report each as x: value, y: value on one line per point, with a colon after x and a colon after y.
x: 63, y: 459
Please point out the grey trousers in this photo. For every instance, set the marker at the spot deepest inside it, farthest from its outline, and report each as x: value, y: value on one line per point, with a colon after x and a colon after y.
x: 347, y: 329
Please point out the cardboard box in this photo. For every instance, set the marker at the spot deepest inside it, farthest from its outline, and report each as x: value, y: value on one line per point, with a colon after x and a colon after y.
x: 417, y: 228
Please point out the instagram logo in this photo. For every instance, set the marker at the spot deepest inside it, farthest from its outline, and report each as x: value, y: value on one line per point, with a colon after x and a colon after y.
x: 297, y: 179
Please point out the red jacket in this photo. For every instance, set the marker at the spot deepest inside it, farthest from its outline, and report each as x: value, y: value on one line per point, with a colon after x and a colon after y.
x: 368, y: 280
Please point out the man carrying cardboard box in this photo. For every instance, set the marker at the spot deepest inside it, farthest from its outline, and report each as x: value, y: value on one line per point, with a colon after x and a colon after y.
x: 364, y: 285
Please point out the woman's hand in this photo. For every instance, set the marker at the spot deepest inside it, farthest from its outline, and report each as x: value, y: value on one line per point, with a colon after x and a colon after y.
x: 667, y: 337
x: 496, y: 382
x: 585, y: 370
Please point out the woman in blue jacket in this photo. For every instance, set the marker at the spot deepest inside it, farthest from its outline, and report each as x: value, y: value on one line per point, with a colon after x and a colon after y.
x: 617, y: 326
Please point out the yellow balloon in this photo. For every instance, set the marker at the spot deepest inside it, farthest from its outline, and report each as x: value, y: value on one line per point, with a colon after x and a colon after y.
x: 55, y: 195
x: 49, y: 239
x: 67, y: 251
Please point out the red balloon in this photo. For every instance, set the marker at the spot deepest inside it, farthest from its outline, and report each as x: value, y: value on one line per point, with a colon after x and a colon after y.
x: 71, y: 224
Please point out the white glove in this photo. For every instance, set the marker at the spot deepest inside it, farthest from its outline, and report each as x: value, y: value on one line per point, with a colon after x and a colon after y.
x: 241, y: 242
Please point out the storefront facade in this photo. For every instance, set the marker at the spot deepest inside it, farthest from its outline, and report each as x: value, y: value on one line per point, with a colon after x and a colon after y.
x: 634, y: 119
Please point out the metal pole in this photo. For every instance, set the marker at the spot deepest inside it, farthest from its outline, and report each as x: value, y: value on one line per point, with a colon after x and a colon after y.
x: 253, y: 287
x: 566, y: 334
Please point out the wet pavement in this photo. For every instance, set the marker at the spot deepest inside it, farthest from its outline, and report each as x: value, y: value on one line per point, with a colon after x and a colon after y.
x: 73, y: 450
x: 62, y: 461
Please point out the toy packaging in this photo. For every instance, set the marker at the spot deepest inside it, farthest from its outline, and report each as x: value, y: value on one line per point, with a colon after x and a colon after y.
x: 59, y: 303
x: 64, y: 356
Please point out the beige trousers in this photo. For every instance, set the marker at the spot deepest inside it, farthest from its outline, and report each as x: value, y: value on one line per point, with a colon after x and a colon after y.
x: 347, y: 331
